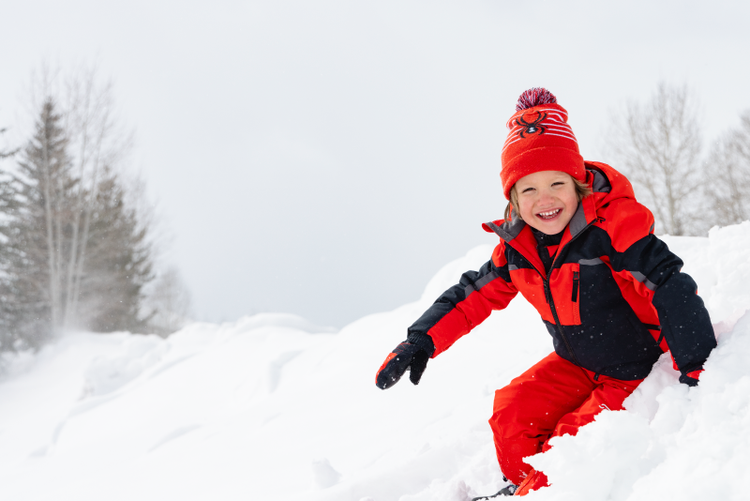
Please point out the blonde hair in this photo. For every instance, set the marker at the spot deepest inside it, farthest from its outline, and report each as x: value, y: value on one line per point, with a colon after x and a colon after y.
x: 582, y: 190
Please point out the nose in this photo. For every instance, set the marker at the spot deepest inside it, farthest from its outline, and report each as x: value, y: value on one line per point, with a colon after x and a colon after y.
x: 545, y: 198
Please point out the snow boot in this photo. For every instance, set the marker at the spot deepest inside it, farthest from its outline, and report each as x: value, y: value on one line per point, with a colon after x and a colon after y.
x: 508, y: 490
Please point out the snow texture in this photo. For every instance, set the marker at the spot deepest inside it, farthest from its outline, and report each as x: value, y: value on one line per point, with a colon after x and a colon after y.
x: 272, y: 407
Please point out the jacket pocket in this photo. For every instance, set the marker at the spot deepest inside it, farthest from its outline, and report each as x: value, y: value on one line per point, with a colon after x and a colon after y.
x: 566, y: 291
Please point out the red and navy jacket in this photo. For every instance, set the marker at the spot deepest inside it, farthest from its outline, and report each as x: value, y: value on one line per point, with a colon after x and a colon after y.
x: 613, y: 301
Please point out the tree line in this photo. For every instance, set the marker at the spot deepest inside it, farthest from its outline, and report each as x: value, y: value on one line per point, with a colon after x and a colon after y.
x: 76, y: 240
x: 659, y: 145
x: 77, y: 244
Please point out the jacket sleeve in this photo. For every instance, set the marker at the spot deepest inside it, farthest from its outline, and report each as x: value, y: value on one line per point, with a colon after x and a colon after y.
x: 465, y: 305
x: 655, y: 271
x: 685, y: 323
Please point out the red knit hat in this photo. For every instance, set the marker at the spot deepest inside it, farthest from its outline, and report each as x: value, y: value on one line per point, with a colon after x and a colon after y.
x: 539, y: 139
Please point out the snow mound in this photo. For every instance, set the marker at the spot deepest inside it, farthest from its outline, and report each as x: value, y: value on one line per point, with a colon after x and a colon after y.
x: 273, y: 407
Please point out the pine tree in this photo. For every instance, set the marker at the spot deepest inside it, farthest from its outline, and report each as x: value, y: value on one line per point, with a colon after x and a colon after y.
x: 119, y: 262
x: 35, y: 235
x: 6, y: 153
x: 74, y: 255
x: 8, y: 206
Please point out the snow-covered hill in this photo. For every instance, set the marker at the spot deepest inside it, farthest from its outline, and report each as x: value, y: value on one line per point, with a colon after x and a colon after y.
x: 271, y: 407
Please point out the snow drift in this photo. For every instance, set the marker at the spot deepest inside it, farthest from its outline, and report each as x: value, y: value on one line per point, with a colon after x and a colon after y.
x: 272, y: 407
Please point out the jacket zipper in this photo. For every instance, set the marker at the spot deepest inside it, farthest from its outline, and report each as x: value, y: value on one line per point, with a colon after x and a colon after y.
x: 553, y: 309
x: 558, y: 324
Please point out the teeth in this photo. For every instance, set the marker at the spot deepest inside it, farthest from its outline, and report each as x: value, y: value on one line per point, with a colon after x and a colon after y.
x: 549, y: 214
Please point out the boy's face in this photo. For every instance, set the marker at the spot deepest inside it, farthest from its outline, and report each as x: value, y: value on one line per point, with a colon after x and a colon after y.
x: 547, y: 200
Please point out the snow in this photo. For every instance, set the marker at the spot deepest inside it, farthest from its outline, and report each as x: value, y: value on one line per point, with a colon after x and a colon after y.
x: 273, y: 407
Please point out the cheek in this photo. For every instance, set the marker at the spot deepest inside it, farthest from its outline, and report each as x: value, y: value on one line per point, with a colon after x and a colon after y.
x: 524, y: 208
x: 572, y: 200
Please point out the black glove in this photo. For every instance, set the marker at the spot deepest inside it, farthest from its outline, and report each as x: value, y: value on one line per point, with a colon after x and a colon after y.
x: 691, y: 378
x: 408, y: 355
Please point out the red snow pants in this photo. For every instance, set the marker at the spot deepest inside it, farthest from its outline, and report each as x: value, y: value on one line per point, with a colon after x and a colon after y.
x: 553, y: 398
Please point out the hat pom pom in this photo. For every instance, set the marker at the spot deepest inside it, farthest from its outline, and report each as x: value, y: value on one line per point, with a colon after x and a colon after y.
x: 535, y: 97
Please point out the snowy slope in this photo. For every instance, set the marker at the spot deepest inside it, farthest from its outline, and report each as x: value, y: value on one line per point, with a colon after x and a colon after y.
x: 271, y: 407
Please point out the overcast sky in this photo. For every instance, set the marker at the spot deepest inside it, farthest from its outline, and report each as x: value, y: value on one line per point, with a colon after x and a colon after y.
x: 326, y: 158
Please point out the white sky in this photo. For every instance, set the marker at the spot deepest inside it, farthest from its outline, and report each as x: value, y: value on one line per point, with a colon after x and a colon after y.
x: 326, y: 157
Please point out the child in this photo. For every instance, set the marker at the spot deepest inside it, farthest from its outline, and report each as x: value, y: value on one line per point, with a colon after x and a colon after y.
x: 577, y: 245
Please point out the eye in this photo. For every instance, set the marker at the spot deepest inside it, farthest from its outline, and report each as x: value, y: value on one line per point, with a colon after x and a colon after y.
x: 527, y: 190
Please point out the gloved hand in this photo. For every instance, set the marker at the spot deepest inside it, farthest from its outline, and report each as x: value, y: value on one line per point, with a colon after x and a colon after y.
x: 691, y: 378
x: 407, y: 355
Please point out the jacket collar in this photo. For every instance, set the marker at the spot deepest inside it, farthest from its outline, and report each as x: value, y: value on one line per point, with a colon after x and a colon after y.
x: 518, y: 235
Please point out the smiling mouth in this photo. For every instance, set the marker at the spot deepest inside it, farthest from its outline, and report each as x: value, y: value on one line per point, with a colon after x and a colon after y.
x: 549, y: 214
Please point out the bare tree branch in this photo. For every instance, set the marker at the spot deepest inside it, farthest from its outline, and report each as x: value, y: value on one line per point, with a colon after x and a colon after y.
x: 729, y: 164
x: 657, y: 144
x: 76, y: 247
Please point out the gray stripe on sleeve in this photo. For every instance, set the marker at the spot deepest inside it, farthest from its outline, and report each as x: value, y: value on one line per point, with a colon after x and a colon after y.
x: 476, y: 286
x: 645, y: 281
x: 590, y: 262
